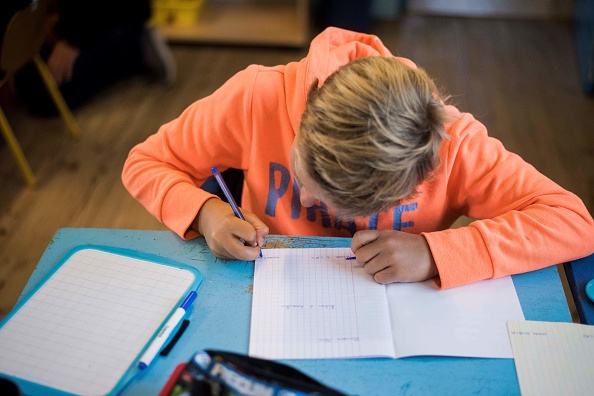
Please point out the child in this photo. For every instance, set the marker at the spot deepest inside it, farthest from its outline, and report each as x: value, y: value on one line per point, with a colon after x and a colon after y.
x: 354, y: 142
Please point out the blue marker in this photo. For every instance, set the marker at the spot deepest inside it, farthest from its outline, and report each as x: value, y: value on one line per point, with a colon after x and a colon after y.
x: 228, y: 195
x: 351, y: 258
x: 171, y: 324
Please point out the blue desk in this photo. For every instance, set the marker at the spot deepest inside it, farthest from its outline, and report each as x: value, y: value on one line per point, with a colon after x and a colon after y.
x: 221, y: 320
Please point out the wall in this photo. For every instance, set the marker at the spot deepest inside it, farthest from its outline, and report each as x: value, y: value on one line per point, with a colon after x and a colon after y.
x: 532, y: 9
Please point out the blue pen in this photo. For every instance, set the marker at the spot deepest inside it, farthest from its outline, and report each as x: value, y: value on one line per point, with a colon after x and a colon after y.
x: 223, y: 185
x: 171, y: 324
x: 351, y: 258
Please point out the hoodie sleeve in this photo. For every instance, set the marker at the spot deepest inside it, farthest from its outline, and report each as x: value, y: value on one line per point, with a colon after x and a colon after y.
x: 164, y: 172
x: 525, y: 220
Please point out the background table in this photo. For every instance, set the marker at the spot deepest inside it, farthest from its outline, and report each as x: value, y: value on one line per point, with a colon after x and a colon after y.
x: 220, y: 319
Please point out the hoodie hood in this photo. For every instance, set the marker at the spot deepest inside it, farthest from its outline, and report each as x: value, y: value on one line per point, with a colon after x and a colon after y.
x: 328, y: 51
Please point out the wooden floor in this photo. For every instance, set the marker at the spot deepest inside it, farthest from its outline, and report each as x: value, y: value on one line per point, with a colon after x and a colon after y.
x: 520, y: 78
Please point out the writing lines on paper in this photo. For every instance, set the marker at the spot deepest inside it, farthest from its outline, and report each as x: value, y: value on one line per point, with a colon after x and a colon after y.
x: 322, y: 305
x: 313, y: 303
x: 553, y: 358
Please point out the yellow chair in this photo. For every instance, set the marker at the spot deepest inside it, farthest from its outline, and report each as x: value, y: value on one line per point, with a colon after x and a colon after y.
x: 22, y: 41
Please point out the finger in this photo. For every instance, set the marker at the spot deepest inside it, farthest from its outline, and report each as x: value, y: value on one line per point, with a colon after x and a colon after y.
x: 232, y: 247
x: 238, y: 249
x: 366, y: 247
x: 386, y: 276
x: 394, y: 273
x: 261, y: 229
x: 243, y: 244
x: 362, y: 238
x: 375, y: 265
x: 261, y: 236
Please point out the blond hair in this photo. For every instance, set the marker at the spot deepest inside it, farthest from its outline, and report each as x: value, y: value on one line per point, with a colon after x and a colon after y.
x: 371, y: 134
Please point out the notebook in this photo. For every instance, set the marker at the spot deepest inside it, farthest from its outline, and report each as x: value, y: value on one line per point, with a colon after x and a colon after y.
x: 85, y: 326
x: 314, y: 304
x: 553, y: 358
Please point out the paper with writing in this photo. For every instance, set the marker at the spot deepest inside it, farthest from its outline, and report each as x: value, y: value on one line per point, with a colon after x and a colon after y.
x: 313, y: 303
x: 553, y: 358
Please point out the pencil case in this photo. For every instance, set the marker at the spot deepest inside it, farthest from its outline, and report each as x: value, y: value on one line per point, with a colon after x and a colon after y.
x: 218, y: 373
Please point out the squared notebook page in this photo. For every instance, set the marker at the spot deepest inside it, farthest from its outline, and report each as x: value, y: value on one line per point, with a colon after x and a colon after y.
x: 467, y: 320
x: 84, y: 327
x: 553, y: 358
x: 313, y: 304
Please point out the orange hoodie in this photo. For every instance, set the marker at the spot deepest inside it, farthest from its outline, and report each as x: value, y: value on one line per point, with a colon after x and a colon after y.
x: 249, y: 123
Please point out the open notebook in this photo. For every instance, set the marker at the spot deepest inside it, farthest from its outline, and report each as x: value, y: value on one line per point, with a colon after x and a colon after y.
x: 84, y: 327
x: 314, y: 304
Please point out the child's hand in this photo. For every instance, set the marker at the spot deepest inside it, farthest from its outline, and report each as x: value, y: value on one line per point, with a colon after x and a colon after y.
x: 394, y: 256
x: 225, y: 233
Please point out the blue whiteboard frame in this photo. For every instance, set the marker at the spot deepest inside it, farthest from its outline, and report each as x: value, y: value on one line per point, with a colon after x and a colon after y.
x: 32, y: 388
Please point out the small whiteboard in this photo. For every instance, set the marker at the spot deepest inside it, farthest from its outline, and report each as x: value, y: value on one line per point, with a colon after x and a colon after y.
x: 84, y: 328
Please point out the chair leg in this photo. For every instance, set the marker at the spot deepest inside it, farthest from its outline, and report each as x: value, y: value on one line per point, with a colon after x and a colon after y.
x: 57, y: 97
x: 16, y: 150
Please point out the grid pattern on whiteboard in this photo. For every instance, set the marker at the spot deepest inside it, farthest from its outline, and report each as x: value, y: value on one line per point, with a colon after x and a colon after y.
x: 85, y: 326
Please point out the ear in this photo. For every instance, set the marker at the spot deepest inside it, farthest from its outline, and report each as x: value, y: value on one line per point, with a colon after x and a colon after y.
x: 313, y: 88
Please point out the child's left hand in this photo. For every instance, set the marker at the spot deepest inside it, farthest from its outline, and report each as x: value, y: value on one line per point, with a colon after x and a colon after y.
x: 394, y: 256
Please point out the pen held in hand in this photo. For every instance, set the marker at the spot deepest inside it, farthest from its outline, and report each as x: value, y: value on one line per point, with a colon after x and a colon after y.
x: 219, y: 178
x: 228, y: 195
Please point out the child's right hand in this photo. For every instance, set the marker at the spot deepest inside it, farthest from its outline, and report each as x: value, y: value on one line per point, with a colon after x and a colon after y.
x: 224, y: 232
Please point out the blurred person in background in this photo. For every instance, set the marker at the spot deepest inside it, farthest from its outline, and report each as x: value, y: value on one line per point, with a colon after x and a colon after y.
x: 93, y: 45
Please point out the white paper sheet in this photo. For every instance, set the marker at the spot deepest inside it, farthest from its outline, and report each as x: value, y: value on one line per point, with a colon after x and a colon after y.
x: 312, y: 303
x: 553, y: 358
x: 466, y: 321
